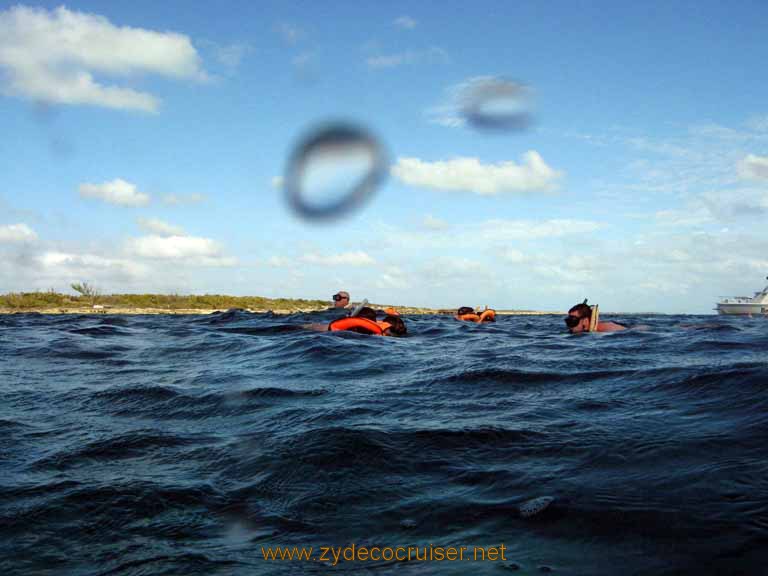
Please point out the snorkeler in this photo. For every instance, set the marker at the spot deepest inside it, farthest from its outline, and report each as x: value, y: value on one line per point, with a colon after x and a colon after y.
x: 340, y: 299
x: 364, y: 322
x: 467, y: 314
x: 585, y: 318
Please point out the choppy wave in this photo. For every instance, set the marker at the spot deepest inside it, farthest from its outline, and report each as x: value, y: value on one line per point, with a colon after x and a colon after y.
x: 182, y: 445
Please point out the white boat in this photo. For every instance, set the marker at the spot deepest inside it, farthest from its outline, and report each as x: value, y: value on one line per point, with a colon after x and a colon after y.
x: 744, y: 305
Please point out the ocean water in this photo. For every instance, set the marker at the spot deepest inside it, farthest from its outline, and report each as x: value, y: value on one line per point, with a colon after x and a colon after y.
x: 187, y: 445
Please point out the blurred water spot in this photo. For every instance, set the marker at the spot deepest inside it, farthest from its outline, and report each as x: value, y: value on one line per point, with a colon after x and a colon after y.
x: 45, y: 115
x: 333, y: 170
x: 492, y: 103
x: 60, y: 147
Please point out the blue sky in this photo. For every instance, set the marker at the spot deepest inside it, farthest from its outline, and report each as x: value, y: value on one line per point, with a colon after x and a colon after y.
x: 143, y: 146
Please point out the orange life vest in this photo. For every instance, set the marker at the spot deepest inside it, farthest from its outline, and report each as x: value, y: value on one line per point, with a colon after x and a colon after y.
x: 362, y: 325
x: 469, y: 317
x: 486, y: 316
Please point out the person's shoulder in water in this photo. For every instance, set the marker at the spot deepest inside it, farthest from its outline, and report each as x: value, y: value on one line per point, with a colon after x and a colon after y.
x: 610, y: 327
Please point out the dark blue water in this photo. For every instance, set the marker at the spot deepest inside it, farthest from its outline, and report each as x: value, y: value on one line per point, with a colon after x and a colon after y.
x: 182, y: 445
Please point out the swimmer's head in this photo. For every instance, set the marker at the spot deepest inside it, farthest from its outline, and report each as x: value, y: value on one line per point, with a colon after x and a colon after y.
x: 465, y: 310
x: 340, y: 299
x: 579, y: 317
x: 397, y: 326
x: 367, y: 313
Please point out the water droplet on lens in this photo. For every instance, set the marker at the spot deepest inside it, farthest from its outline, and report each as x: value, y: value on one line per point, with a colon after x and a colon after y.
x: 496, y: 104
x: 333, y: 170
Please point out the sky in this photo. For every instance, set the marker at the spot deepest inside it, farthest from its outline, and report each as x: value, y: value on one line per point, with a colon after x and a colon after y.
x: 145, y: 147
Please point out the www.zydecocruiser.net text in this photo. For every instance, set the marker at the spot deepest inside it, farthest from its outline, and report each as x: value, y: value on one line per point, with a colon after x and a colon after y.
x: 334, y: 555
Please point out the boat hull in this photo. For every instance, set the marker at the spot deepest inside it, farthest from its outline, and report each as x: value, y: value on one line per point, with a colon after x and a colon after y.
x: 741, y: 309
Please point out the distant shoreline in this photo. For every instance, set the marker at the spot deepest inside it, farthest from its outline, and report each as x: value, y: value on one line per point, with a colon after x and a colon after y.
x: 206, y: 311
x: 92, y: 302
x: 55, y: 303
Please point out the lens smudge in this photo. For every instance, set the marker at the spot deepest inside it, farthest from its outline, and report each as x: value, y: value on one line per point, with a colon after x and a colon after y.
x: 333, y: 170
x: 491, y: 103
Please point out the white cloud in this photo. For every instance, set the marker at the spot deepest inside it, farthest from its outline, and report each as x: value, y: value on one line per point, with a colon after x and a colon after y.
x: 486, y: 93
x: 230, y: 56
x: 189, y: 249
x: 715, y: 131
x: 430, y: 55
x: 563, y: 273
x: 392, y: 277
x: 159, y: 227
x: 457, y: 271
x: 758, y: 123
x: 391, y: 60
x: 432, y: 223
x: 358, y: 258
x: 72, y: 265
x: 677, y: 218
x: 716, y: 206
x: 17, y: 233
x: 470, y: 175
x: 280, y: 262
x: 290, y: 33
x: 699, y: 158
x: 728, y: 204
x: 405, y: 22
x: 482, y: 235
x: 511, y: 230
x: 302, y: 60
x: 52, y: 56
x: 182, y: 199
x: 42, y: 265
x: 705, y: 174
x: 513, y: 256
x: 116, y: 191
x: 753, y: 167
x: 445, y: 115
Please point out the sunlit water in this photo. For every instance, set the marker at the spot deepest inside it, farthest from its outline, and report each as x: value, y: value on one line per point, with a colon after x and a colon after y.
x: 140, y: 445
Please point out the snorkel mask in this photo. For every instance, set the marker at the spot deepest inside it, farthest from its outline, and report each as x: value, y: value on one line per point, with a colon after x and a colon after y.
x: 572, y: 321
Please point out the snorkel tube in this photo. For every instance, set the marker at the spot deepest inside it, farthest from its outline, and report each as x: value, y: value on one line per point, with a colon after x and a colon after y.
x: 594, y: 316
x: 594, y: 319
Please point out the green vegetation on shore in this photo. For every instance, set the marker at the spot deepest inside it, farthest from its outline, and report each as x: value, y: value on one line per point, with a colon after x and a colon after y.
x: 51, y: 300
x: 90, y: 300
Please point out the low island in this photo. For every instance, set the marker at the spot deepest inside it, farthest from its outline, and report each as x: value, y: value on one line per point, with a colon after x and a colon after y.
x: 52, y: 302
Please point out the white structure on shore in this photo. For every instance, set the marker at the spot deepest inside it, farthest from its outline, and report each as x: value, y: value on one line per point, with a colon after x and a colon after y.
x: 744, y: 305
